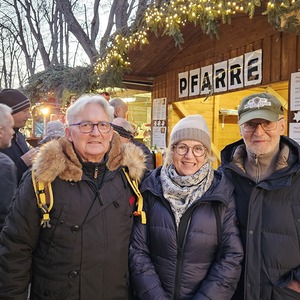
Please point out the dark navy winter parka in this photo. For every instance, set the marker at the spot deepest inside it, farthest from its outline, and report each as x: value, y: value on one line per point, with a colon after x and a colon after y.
x: 269, y: 221
x: 165, y: 264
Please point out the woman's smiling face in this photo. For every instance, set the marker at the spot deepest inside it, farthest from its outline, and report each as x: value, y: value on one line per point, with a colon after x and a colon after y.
x: 188, y: 164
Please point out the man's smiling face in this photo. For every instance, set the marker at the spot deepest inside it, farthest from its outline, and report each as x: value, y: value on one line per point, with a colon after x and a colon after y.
x: 91, y: 146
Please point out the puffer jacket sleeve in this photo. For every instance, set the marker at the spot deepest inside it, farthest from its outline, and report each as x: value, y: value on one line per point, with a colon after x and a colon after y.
x: 221, y: 281
x: 146, y: 283
x: 18, y: 240
x: 8, y: 186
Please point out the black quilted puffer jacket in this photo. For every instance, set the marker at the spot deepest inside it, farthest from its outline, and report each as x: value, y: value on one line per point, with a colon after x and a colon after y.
x: 199, y: 261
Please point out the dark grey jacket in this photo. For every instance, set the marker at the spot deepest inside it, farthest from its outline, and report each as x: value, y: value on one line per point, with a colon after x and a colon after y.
x: 269, y: 221
x: 8, y: 185
x: 18, y: 147
x: 198, y: 262
x: 147, y: 152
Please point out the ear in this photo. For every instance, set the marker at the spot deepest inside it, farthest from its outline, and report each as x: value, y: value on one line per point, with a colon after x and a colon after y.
x: 68, y: 134
x: 1, y: 132
x: 240, y: 128
x: 117, y: 110
x: 111, y: 135
x: 282, y: 126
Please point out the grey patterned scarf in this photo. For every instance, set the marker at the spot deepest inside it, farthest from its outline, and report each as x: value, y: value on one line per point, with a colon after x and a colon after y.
x: 182, y: 191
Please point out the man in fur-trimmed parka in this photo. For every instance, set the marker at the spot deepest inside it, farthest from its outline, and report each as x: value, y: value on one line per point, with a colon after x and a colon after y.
x: 84, y: 254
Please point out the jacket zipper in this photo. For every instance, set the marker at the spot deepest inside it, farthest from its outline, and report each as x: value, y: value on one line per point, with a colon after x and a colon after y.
x: 96, y: 172
x: 179, y: 262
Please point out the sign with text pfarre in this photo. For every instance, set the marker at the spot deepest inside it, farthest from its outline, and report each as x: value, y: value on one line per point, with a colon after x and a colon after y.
x: 244, y: 70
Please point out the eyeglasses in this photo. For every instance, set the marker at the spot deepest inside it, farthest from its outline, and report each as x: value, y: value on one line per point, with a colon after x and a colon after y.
x: 182, y: 149
x: 265, y: 125
x: 88, y: 127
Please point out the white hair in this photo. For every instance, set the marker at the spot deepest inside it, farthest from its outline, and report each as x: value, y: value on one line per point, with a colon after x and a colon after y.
x: 79, y: 105
x: 5, y: 111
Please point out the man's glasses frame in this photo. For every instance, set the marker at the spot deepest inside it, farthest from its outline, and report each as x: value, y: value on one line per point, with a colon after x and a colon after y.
x: 88, y: 127
x: 265, y: 125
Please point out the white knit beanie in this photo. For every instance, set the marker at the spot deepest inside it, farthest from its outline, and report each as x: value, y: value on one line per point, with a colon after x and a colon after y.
x: 54, y: 130
x: 192, y: 127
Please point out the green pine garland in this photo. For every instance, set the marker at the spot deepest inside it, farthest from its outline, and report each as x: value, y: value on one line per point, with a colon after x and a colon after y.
x: 169, y: 18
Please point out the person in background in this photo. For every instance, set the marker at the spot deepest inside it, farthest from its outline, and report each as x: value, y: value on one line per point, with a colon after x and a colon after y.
x: 54, y: 130
x: 125, y: 130
x: 105, y: 95
x: 264, y: 167
x: 19, y: 150
x: 8, y: 175
x: 72, y: 99
x: 120, y: 107
x: 82, y: 253
x: 190, y: 247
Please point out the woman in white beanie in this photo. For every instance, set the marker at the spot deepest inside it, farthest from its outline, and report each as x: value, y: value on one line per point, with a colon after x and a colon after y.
x: 190, y: 247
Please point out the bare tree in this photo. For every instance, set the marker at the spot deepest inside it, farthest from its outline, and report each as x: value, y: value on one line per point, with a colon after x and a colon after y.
x: 6, y: 52
x: 61, y: 32
x: 118, y: 21
x: 37, y: 28
x: 26, y: 35
x: 34, y: 21
x: 77, y: 30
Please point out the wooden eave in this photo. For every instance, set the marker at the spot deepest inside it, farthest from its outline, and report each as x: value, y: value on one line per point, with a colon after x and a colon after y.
x: 152, y: 59
x: 162, y: 55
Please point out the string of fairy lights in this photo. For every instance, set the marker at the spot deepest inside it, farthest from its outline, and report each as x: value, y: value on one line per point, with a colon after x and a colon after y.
x: 170, y: 17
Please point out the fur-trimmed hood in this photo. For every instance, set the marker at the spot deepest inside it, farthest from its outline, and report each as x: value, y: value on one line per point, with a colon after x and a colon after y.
x: 57, y: 158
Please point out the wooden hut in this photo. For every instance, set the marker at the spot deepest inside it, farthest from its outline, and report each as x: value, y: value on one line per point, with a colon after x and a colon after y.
x: 174, y: 73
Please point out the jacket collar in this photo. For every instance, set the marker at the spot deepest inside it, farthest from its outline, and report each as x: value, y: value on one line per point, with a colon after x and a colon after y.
x: 228, y: 152
x: 57, y: 158
x: 220, y: 187
x: 281, y: 177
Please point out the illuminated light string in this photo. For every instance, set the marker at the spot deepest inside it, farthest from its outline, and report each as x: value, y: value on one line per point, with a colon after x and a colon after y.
x: 168, y: 19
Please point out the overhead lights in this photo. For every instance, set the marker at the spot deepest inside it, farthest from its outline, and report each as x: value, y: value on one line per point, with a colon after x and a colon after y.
x: 131, y: 99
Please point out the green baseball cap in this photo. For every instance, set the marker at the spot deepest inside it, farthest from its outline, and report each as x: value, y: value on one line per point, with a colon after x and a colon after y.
x: 259, y: 106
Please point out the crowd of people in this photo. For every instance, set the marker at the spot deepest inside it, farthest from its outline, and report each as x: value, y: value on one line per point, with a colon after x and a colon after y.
x: 117, y: 228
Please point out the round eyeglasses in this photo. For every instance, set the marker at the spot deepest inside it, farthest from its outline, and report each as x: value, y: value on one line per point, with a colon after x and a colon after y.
x: 265, y: 125
x: 88, y: 127
x: 182, y: 149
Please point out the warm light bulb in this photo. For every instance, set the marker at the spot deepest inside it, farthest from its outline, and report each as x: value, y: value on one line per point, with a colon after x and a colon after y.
x: 45, y: 111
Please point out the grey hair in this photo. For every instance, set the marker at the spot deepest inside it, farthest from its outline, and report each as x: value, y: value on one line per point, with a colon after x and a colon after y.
x: 5, y: 111
x: 210, y: 158
x: 117, y: 102
x: 123, y: 123
x: 80, y: 104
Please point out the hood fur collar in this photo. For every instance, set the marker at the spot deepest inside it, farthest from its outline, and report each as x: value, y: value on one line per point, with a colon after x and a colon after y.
x: 57, y: 158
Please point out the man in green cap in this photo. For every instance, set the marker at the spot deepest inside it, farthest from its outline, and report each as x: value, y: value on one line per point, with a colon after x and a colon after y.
x: 264, y: 167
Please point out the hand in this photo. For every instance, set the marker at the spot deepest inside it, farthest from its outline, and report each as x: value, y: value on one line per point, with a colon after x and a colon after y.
x: 294, y: 285
x: 28, y: 157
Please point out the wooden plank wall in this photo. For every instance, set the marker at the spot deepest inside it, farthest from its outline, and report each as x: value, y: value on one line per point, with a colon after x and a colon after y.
x: 137, y: 112
x: 281, y: 57
x: 221, y: 133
